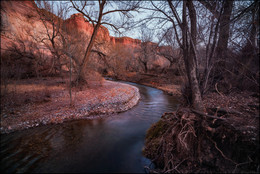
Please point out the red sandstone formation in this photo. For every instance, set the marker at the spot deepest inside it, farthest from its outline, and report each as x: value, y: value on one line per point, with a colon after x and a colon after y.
x: 128, y: 41
x: 75, y: 22
x: 19, y: 16
x: 78, y: 22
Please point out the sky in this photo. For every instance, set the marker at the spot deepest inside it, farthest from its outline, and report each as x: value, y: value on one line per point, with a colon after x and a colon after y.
x: 155, y: 26
x: 114, y: 17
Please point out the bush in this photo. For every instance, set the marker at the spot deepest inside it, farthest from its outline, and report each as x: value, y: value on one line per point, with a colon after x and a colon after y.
x: 94, y: 79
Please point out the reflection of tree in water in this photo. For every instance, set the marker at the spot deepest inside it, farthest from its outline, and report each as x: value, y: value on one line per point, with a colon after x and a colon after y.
x: 31, y: 150
x: 36, y: 144
x: 34, y: 147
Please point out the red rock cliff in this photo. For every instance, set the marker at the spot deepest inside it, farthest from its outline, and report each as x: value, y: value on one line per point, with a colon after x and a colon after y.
x: 78, y: 22
x: 128, y: 41
x: 18, y: 17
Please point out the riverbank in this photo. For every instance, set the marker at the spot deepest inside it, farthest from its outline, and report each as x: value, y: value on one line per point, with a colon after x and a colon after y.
x: 34, y: 102
x: 225, y: 139
x: 169, y: 83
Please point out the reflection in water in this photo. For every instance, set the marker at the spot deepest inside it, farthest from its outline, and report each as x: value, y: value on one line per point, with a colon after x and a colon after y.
x: 111, y: 144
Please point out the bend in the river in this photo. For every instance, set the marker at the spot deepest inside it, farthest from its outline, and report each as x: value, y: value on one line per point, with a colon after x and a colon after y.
x: 109, y: 144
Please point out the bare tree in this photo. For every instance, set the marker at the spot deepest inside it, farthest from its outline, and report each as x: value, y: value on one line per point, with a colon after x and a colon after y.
x: 168, y: 51
x: 188, y: 30
x: 118, y: 60
x: 215, y: 30
x: 95, y: 17
x: 26, y: 55
x: 52, y: 21
x: 56, y: 37
x: 189, y: 52
x: 147, y: 49
x: 224, y: 30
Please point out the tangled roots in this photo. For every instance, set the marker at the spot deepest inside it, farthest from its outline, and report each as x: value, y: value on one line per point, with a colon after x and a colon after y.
x: 183, y: 142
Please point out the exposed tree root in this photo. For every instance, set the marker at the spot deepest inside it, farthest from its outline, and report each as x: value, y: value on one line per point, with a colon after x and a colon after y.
x: 183, y: 141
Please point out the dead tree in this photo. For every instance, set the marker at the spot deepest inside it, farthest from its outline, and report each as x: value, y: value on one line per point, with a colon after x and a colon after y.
x: 224, y: 31
x: 189, y: 51
x: 188, y: 45
x: 146, y: 51
x: 56, y: 37
x: 53, y: 25
x: 96, y: 20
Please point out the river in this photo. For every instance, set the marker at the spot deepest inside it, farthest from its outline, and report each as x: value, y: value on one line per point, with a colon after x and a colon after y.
x: 108, y: 144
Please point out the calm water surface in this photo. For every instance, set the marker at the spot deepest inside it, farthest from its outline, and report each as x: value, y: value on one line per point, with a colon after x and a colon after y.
x: 111, y: 144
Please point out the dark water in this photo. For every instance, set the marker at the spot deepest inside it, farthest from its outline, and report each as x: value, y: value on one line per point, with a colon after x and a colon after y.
x: 111, y: 144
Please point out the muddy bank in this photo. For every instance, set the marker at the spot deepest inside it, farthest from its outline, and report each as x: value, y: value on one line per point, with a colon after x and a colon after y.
x: 29, y: 103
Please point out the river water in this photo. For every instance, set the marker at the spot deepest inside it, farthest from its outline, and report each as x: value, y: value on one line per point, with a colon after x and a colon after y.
x: 108, y: 144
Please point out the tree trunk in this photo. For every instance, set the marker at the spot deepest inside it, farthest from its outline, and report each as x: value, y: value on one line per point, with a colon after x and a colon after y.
x: 252, y: 41
x: 224, y: 29
x: 82, y: 68
x: 189, y: 55
x: 224, y: 25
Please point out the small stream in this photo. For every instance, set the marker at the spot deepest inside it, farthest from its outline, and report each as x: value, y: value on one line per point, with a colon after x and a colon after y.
x: 108, y: 144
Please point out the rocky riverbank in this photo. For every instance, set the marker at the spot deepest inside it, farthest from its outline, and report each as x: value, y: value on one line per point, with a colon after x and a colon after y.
x: 27, y: 104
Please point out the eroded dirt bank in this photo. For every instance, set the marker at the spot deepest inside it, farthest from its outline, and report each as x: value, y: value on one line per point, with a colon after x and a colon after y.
x: 30, y: 103
x: 226, y: 139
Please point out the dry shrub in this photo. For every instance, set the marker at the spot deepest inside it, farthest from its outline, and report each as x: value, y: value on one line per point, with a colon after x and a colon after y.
x: 120, y: 60
x: 94, y: 79
x: 182, y: 142
x: 239, y: 71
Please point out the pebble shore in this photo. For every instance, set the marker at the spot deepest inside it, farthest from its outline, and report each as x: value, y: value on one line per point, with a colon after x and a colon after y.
x: 115, y: 97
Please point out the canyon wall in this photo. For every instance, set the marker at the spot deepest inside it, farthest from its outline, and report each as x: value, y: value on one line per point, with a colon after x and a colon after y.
x: 20, y: 21
x: 78, y: 22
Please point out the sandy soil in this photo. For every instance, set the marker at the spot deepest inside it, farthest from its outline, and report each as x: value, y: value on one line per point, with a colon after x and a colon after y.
x: 31, y: 103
